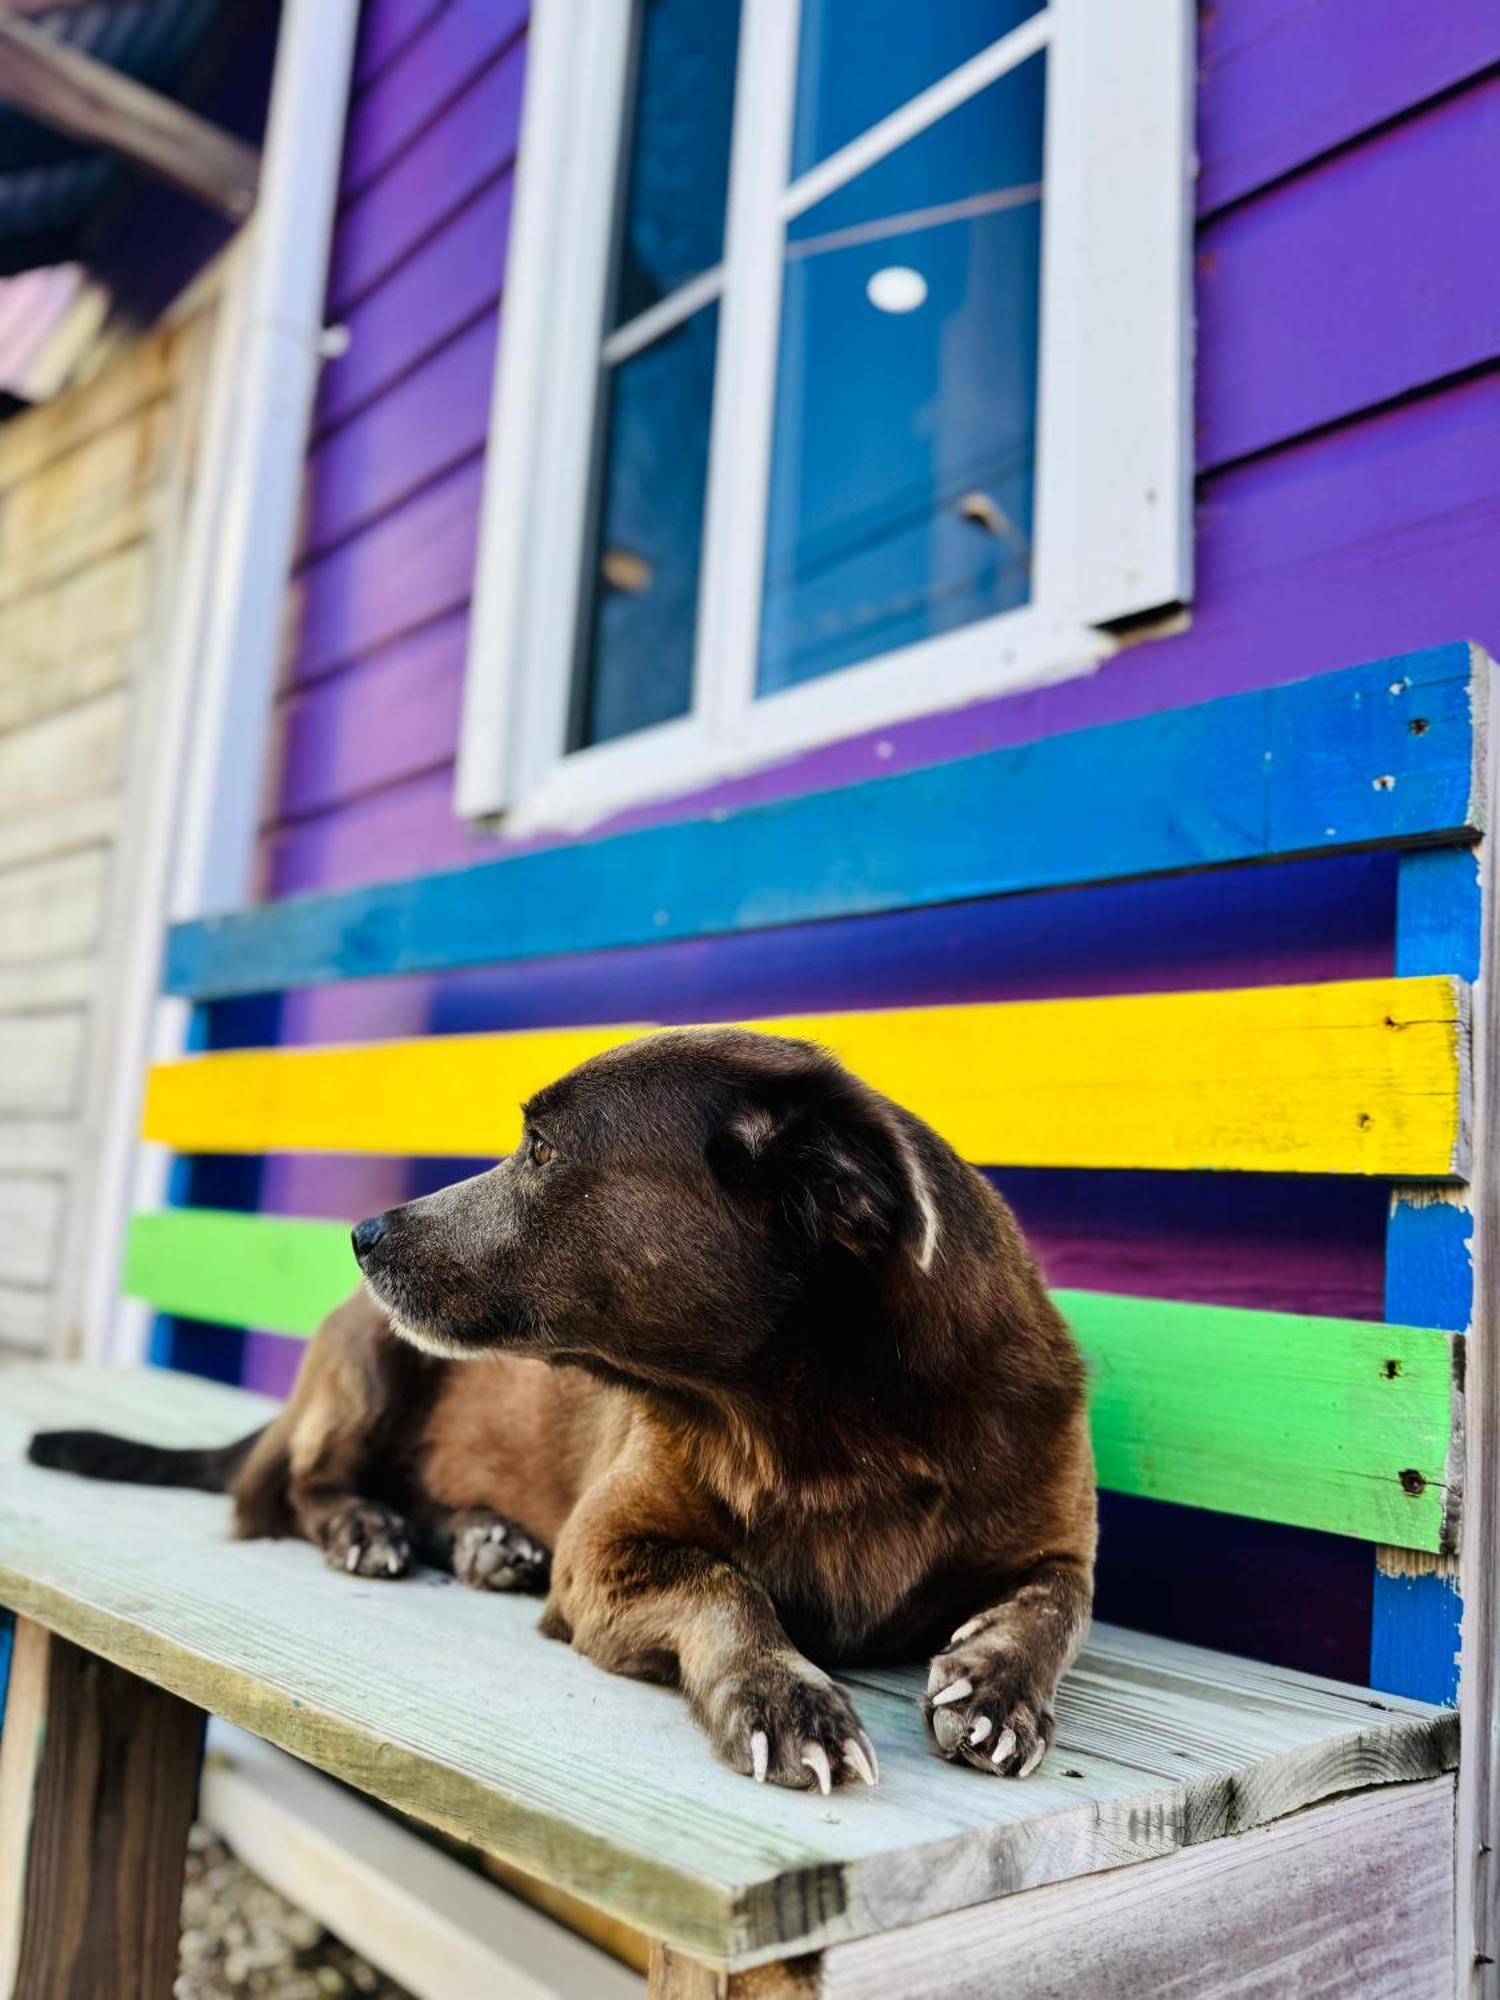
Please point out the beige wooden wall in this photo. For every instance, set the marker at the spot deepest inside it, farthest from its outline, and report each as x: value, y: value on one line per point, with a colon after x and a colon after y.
x: 93, y: 492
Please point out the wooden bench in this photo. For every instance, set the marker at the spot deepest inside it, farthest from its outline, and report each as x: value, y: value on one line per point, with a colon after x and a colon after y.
x: 1300, y: 1833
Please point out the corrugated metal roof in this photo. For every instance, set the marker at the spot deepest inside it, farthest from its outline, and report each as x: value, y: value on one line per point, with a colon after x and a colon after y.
x: 52, y: 187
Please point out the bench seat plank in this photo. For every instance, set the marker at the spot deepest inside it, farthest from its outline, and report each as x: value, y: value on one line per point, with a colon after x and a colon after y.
x: 448, y: 1705
x: 1359, y: 1076
x: 1342, y: 1425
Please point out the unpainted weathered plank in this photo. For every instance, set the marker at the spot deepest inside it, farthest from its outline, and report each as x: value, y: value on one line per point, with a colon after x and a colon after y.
x: 63, y: 757
x: 41, y: 1058
x: 47, y: 830
x: 448, y: 1704
x: 1350, y: 1901
x: 1321, y: 1423
x: 1358, y: 1076
x: 31, y: 1214
x: 49, y: 909
x: 98, y: 1778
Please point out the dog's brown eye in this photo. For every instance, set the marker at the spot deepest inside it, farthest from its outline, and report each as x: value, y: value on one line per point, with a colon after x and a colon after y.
x: 541, y: 1152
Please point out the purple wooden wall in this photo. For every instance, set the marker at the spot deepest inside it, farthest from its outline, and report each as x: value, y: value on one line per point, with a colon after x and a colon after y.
x: 1348, y: 427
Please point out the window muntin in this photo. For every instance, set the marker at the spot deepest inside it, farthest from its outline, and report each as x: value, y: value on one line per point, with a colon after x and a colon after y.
x: 859, y: 59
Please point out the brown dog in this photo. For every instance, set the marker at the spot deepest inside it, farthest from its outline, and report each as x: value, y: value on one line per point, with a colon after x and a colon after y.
x: 762, y: 1363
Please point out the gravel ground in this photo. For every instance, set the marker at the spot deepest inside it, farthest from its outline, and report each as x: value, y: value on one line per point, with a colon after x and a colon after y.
x: 241, y: 1941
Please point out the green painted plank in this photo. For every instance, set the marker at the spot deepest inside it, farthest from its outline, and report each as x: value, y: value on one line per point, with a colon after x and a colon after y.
x: 278, y: 1273
x: 1278, y: 1416
x: 1339, y: 1424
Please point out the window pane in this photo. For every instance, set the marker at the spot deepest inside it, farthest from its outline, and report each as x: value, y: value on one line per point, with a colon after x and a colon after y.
x: 861, y: 59
x: 673, y: 222
x: 643, y: 601
x: 905, y: 425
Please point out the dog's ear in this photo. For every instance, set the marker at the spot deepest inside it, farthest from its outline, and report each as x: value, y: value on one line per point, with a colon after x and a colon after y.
x: 827, y: 1159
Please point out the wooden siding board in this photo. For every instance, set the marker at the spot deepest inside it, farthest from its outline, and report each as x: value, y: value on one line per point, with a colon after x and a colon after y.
x: 433, y: 419
x: 385, y: 28
x: 1298, y: 1419
x: 451, y: 279
x: 1320, y: 764
x: 1281, y: 82
x: 1379, y: 263
x: 434, y: 67
x: 392, y: 715
x: 432, y: 179
x: 409, y: 568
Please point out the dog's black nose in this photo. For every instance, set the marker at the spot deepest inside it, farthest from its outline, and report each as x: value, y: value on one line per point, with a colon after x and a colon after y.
x: 367, y: 1234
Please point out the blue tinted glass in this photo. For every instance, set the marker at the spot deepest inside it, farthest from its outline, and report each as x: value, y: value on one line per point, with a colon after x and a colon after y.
x: 861, y: 59
x: 683, y: 103
x: 905, y: 427
x: 644, y: 593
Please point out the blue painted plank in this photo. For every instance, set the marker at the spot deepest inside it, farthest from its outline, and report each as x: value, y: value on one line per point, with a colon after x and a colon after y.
x: 7, y: 1636
x: 1415, y: 1620
x: 1414, y: 1629
x: 1378, y: 755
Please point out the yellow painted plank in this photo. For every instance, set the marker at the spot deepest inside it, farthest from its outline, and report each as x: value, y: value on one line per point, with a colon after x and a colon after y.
x: 1358, y: 1077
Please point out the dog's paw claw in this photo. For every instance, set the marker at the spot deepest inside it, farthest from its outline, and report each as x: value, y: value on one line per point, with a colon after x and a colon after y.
x: 785, y: 1723
x: 491, y: 1553
x: 366, y: 1539
x: 983, y: 1708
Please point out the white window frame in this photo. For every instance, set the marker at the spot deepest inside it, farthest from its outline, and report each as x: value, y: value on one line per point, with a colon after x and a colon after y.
x: 1112, y: 534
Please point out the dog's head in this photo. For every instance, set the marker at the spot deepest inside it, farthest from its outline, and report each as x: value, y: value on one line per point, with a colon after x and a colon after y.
x: 669, y: 1206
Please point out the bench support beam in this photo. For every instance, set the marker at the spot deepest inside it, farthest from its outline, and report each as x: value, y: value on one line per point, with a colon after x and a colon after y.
x: 98, y: 1782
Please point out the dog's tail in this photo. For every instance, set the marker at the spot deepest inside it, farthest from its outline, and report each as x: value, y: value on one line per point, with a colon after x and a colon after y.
x: 97, y: 1455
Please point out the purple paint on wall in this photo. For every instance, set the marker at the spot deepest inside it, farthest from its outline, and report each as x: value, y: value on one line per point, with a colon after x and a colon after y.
x: 463, y: 38
x: 432, y: 180
x: 1383, y: 274
x: 427, y: 423
x: 1282, y: 81
x: 451, y: 279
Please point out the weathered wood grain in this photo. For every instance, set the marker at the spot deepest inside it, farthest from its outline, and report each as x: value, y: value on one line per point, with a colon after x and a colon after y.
x: 1279, y: 1416
x: 1318, y: 765
x: 447, y: 1704
x: 675, y: 1976
x: 1351, y: 1901
x: 98, y: 1780
x: 1359, y: 1076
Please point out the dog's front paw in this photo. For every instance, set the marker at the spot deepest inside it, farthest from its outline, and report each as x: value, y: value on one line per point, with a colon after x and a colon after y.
x: 491, y: 1553
x: 985, y: 1705
x: 367, y: 1540
x: 782, y: 1721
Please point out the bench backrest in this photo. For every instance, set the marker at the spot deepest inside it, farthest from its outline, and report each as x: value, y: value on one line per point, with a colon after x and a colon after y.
x: 1345, y: 1426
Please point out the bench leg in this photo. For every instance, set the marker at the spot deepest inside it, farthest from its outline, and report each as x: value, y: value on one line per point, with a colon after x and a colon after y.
x: 98, y: 1781
x: 675, y: 1976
